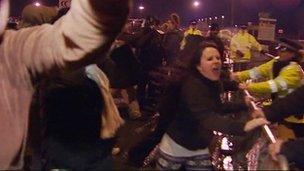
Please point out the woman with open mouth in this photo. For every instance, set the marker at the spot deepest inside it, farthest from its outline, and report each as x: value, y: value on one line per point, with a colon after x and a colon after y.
x: 198, y: 112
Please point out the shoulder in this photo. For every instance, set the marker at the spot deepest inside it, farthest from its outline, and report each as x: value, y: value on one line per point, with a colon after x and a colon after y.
x: 293, y: 65
x: 193, y: 84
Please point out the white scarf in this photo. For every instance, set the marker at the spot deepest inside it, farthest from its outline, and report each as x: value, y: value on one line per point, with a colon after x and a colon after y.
x: 111, y: 119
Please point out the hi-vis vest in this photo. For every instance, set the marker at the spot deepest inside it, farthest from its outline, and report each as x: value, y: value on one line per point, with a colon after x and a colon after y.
x: 244, y: 43
x: 189, y: 32
x: 289, y: 79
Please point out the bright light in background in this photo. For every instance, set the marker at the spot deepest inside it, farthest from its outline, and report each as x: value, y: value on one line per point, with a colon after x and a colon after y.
x: 37, y: 4
x: 223, y: 17
x: 141, y: 7
x: 196, y: 3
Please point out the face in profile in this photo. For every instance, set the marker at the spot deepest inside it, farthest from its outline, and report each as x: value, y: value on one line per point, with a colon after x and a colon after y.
x: 210, y: 64
x: 285, y: 55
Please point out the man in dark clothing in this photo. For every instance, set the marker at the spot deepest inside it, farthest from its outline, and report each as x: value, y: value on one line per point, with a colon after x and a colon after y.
x: 280, y: 109
x: 69, y: 104
x: 214, y: 31
x: 148, y: 43
x: 172, y: 38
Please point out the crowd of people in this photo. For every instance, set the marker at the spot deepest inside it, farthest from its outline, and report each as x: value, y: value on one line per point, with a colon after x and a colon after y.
x: 72, y: 77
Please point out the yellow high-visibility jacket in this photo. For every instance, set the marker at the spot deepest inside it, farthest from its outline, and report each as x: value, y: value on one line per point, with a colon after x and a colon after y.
x: 244, y: 43
x: 289, y: 79
x: 190, y: 31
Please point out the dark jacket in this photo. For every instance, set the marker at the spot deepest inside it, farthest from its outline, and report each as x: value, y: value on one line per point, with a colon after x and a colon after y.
x: 71, y: 107
x: 292, y: 104
x: 200, y: 112
x: 294, y: 151
x: 172, y: 40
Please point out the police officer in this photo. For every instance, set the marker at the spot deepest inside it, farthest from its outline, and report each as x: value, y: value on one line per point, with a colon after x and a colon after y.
x: 284, y: 75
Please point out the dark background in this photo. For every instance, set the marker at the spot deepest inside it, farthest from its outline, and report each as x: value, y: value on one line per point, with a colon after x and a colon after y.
x: 290, y: 13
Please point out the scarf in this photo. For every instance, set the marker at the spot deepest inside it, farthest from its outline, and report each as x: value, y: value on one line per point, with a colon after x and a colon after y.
x: 111, y: 119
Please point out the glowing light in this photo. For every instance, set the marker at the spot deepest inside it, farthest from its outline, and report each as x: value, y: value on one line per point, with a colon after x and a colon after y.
x: 223, y: 16
x: 141, y: 7
x: 215, y: 18
x: 37, y: 4
x: 210, y: 18
x: 196, y: 3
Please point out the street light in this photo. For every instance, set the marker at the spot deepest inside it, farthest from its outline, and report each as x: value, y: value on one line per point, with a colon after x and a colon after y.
x: 196, y: 3
x: 141, y: 7
x: 37, y: 4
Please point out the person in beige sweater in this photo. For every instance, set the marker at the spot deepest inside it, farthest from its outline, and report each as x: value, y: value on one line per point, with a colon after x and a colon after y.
x: 88, y: 29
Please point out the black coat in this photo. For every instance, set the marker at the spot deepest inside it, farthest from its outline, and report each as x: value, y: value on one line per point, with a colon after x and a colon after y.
x: 200, y: 112
x: 292, y: 104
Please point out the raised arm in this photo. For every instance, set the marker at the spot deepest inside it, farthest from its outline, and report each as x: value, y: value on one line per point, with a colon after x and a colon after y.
x: 89, y: 28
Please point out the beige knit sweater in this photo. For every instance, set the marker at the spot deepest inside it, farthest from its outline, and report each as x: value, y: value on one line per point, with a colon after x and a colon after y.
x: 90, y: 27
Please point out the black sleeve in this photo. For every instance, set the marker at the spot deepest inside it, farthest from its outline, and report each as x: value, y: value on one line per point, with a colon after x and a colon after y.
x: 294, y: 151
x: 230, y: 107
x: 229, y: 85
x: 199, y: 101
x: 293, y: 104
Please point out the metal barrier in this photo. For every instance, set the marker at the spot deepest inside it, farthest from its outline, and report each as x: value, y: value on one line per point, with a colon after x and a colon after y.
x: 269, y: 164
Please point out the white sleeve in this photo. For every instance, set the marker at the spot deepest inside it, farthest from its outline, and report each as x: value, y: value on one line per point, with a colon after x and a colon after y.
x: 73, y: 41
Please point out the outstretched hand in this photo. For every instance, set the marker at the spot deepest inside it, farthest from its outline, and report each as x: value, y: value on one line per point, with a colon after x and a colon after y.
x: 258, y: 113
x: 254, y: 123
x: 275, y: 148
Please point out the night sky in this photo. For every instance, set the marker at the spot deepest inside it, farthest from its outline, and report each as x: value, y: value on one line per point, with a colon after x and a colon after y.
x: 290, y: 13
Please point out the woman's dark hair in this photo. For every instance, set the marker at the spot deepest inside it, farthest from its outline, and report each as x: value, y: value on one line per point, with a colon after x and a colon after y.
x: 196, y: 58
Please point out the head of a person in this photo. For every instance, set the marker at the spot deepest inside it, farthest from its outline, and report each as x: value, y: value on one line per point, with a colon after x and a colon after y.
x: 288, y: 50
x: 214, y: 29
x: 174, y: 21
x: 150, y: 21
x: 243, y: 29
x: 165, y: 26
x: 193, y: 25
x: 33, y: 15
x: 207, y: 60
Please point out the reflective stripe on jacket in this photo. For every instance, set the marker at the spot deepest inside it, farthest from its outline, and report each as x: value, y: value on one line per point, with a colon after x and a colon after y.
x: 289, y: 79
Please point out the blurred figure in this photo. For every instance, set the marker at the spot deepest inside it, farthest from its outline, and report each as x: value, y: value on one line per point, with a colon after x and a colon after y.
x: 149, y: 46
x: 214, y: 36
x: 33, y: 15
x: 241, y: 46
x: 172, y: 38
x: 192, y: 30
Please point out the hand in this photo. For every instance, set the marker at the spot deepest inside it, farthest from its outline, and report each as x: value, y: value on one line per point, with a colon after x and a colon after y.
x: 254, y: 123
x: 243, y: 86
x: 275, y: 148
x: 258, y: 113
x: 249, y: 99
